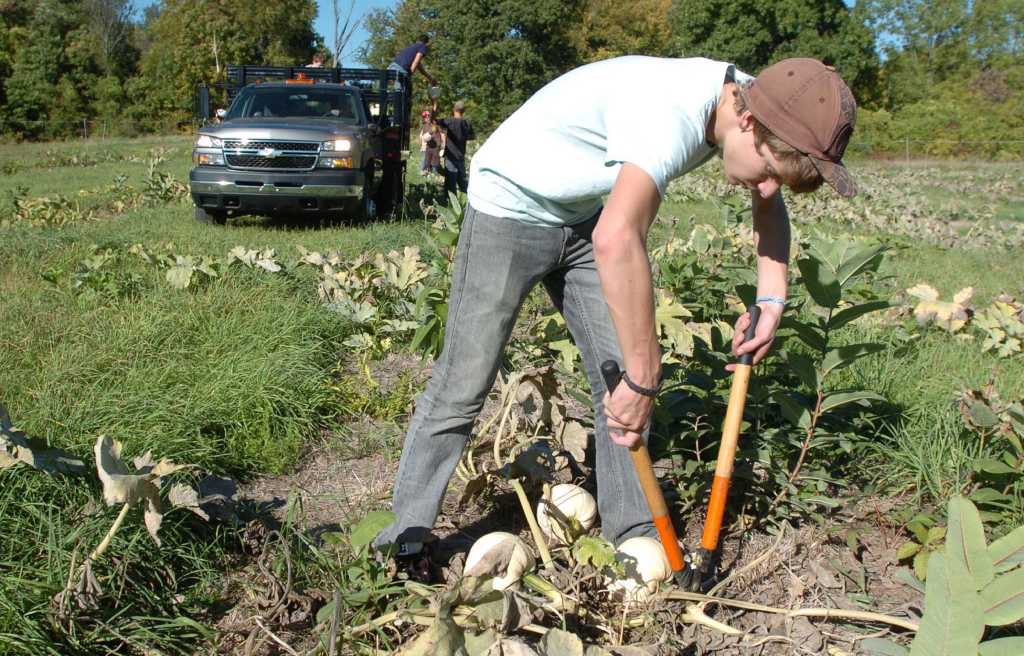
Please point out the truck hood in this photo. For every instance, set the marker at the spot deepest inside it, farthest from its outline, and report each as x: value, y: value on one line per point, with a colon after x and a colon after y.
x: 297, y: 129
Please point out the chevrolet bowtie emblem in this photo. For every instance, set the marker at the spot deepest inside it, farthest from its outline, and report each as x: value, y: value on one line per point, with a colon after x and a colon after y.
x: 268, y: 152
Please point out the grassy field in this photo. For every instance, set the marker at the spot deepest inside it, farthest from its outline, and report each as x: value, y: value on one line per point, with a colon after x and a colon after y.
x: 241, y: 372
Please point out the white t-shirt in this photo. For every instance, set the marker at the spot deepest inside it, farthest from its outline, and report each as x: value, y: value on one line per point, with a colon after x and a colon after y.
x: 554, y: 159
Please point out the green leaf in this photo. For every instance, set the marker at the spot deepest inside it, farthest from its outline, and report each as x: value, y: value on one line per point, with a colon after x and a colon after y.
x: 807, y: 333
x: 907, y: 550
x: 368, y: 527
x: 596, y: 552
x: 846, y: 315
x: 1002, y: 647
x: 993, y: 466
x: 804, y: 368
x: 820, y: 282
x: 1003, y: 599
x: 952, y: 624
x: 793, y: 410
x: 881, y: 647
x: 860, y: 260
x: 837, y: 399
x: 843, y: 356
x: 1008, y: 551
x: 921, y: 563
x: 965, y: 541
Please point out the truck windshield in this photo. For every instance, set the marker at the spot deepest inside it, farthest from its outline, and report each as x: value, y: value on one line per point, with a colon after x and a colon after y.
x: 294, y: 102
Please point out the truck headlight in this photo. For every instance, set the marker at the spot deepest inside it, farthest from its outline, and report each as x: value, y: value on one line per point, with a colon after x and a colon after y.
x: 200, y: 158
x: 206, y: 141
x: 337, y: 146
x: 335, y: 163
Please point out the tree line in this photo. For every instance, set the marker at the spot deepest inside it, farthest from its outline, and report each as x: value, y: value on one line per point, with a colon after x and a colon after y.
x: 941, y: 71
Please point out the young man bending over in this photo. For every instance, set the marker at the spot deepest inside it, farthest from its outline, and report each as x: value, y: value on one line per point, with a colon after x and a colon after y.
x: 536, y: 215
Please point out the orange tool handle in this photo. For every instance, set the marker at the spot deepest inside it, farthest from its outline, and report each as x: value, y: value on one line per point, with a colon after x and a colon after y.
x: 649, y: 483
x: 730, y: 438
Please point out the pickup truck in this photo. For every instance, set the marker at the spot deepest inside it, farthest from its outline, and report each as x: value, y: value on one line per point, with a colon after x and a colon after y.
x: 303, y: 141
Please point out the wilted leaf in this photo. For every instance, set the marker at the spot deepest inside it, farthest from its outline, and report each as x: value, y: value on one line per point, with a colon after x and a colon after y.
x: 17, y: 447
x: 185, y: 496
x: 557, y: 642
x: 949, y: 316
x: 574, y: 437
x: 120, y: 486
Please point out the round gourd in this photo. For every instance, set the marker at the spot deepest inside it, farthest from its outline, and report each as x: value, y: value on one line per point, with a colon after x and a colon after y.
x: 574, y: 503
x: 647, y: 567
x: 500, y: 555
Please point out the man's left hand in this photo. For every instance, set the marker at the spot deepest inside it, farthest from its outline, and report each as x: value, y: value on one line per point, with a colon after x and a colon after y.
x: 764, y: 335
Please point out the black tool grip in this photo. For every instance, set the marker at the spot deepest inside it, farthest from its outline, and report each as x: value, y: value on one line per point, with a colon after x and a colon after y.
x: 755, y: 315
x: 611, y: 373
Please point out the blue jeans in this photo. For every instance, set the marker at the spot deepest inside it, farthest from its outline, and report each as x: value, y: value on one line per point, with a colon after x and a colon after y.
x: 497, y: 262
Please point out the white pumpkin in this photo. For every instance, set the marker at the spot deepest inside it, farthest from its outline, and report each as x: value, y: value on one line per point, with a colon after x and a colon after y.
x: 574, y: 503
x: 500, y: 555
x: 647, y: 567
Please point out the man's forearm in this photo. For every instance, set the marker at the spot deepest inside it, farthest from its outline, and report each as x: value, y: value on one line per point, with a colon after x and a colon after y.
x: 772, y: 240
x: 625, y: 274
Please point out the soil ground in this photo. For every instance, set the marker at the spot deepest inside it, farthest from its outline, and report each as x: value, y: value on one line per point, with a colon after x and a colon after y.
x: 805, y: 567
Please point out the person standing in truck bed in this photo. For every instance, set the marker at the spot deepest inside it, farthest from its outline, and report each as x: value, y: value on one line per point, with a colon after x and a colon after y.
x: 410, y: 59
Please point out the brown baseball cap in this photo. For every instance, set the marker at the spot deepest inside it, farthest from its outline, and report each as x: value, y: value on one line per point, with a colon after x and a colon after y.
x: 806, y: 104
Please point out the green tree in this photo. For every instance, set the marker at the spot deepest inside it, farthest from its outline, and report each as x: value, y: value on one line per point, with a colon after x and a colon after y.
x: 31, y: 87
x: 493, y: 54
x: 214, y: 35
x: 753, y: 34
x: 610, y: 28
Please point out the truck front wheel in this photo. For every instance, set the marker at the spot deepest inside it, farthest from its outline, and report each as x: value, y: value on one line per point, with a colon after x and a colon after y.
x: 218, y: 217
x: 366, y: 210
x: 392, y: 188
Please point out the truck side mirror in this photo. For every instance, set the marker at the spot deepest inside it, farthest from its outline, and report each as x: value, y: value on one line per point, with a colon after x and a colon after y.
x: 221, y: 113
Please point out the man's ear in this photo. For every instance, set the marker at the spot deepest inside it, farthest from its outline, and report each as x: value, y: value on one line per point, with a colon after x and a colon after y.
x: 746, y: 121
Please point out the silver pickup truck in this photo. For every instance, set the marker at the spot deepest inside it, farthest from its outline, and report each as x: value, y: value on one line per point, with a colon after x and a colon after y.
x: 297, y: 147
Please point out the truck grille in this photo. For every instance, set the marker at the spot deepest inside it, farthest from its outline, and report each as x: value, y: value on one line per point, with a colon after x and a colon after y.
x: 295, y: 146
x: 260, y: 162
x: 297, y: 155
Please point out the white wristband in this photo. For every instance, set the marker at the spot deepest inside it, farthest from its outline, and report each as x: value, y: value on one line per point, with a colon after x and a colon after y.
x: 771, y: 299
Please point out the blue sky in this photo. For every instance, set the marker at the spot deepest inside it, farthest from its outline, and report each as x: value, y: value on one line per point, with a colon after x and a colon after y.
x: 325, y: 22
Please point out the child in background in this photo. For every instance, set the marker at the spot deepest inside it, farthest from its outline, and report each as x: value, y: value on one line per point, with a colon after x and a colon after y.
x: 431, y: 144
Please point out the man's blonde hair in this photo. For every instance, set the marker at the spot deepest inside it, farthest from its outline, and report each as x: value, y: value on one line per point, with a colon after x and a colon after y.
x: 795, y: 169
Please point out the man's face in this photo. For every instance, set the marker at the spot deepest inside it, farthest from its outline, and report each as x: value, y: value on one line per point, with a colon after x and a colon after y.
x: 747, y: 166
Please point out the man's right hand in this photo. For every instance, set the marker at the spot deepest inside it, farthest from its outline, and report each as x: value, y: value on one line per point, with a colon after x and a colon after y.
x: 628, y: 415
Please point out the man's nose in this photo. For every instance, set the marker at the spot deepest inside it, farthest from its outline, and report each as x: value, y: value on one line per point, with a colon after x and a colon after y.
x: 768, y: 187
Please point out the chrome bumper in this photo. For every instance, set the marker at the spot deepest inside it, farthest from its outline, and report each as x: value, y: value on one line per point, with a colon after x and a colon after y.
x: 269, y: 189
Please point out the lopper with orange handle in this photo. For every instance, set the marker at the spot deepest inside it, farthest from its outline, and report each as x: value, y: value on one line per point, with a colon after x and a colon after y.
x: 700, y: 561
x: 652, y: 491
x: 690, y: 570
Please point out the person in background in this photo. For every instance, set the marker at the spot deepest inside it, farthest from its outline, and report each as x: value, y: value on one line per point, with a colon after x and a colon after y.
x: 410, y: 59
x: 318, y: 61
x: 457, y: 131
x: 430, y: 144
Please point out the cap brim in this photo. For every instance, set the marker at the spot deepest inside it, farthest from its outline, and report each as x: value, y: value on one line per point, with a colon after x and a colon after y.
x: 836, y: 175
